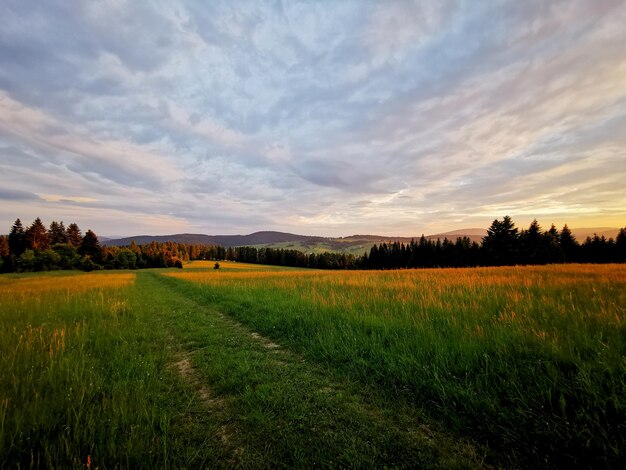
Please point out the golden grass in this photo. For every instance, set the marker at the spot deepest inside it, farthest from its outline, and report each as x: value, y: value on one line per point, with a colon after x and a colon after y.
x: 70, y: 284
x: 230, y: 265
x: 456, y: 293
x: 218, y: 276
x: 532, y: 356
x: 433, y: 280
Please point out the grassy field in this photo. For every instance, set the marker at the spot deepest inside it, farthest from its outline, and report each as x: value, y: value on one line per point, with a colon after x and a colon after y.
x: 256, y: 366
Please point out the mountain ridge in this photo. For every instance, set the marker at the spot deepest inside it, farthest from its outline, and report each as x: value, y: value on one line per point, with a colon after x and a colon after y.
x: 355, y: 244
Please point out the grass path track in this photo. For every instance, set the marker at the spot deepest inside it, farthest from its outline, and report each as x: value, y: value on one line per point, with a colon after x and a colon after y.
x: 255, y: 404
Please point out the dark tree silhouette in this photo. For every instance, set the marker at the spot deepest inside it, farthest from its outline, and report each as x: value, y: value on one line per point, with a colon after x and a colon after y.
x: 501, y: 246
x: 4, y: 247
x: 17, y: 239
x: 569, y: 245
x: 57, y: 233
x: 5, y: 260
x: 620, y: 246
x: 531, y: 243
x: 68, y: 254
x: 540, y: 247
x: 90, y: 247
x: 552, y: 245
x: 597, y: 249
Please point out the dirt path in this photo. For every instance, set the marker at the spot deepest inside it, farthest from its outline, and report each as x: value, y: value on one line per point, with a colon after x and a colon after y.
x: 265, y: 406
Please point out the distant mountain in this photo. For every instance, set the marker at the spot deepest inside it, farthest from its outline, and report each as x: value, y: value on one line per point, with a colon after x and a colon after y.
x: 255, y: 238
x: 355, y: 244
x: 582, y: 233
x: 474, y: 234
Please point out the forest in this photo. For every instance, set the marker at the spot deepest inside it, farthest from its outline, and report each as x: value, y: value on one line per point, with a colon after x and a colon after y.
x: 41, y: 248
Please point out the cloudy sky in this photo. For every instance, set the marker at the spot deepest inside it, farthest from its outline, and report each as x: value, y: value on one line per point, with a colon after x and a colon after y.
x: 316, y: 117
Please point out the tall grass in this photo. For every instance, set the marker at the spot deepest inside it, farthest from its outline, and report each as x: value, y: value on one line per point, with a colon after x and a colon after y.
x: 527, y: 359
x: 74, y: 387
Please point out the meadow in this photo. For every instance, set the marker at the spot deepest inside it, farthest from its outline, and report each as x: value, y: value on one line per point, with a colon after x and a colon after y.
x: 257, y: 366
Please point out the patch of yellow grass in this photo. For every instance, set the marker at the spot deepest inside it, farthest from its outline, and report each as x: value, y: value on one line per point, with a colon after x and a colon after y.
x: 417, y: 293
x: 218, y: 277
x: 410, y: 279
x: 70, y: 284
x: 231, y: 265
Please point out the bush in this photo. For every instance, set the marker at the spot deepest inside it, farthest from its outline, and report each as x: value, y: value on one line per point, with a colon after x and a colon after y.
x: 26, y: 261
x: 47, y: 260
x: 125, y: 259
x: 88, y: 265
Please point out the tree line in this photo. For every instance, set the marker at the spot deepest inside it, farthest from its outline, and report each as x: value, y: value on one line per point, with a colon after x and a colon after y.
x: 38, y: 248
x: 504, y: 245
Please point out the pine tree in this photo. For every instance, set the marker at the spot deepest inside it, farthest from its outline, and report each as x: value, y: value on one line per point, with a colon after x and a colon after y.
x: 620, y: 246
x: 531, y: 244
x: 134, y: 248
x: 569, y: 245
x: 74, y: 236
x: 501, y: 245
x: 57, y: 233
x: 4, y: 247
x: 554, y: 232
x: 90, y: 246
x: 17, y: 239
x: 552, y: 240
x: 37, y: 237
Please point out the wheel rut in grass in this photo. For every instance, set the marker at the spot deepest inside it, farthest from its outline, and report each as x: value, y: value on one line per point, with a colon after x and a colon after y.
x: 205, y: 405
x: 190, y: 376
x: 264, y: 340
x: 209, y: 401
x: 275, y: 409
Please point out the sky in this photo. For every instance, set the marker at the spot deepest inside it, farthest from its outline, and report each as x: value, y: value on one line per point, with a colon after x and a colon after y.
x: 317, y: 117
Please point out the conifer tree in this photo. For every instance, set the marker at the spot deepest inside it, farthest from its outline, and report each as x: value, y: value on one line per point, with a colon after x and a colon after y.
x: 37, y: 237
x: 620, y: 246
x: 74, y: 235
x: 4, y: 247
x: 57, y: 233
x: 134, y: 248
x: 531, y: 244
x: 501, y: 245
x: 90, y: 246
x: 554, y: 232
x: 569, y: 245
x: 552, y: 244
x: 17, y: 239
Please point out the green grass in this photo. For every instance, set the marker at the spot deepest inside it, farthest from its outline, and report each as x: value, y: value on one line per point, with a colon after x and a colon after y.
x: 80, y: 375
x: 265, y: 367
x: 143, y: 375
x: 528, y: 360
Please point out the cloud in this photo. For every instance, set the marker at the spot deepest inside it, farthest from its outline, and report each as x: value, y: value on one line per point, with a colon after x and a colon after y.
x: 401, y: 116
x: 61, y: 198
x: 112, y: 161
x: 17, y: 195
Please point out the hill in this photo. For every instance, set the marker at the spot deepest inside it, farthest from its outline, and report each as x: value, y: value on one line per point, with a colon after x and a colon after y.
x: 354, y: 244
x: 255, y: 238
x: 582, y: 233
